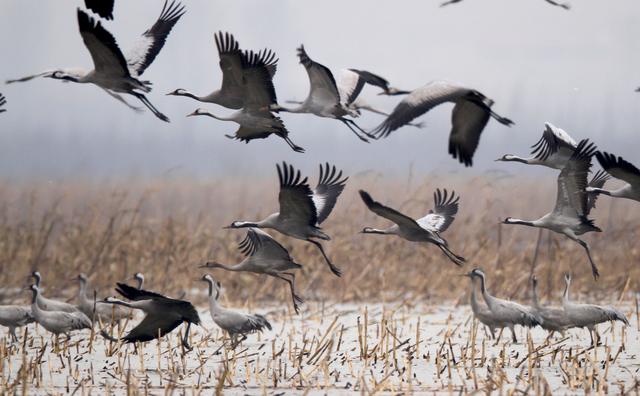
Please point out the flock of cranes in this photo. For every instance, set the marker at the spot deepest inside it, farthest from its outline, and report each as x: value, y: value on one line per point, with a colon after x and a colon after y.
x: 247, y: 87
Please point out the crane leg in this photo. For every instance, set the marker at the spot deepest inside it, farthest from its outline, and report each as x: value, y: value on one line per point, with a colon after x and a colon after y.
x: 185, y: 339
x: 513, y: 335
x: 332, y: 267
x: 146, y: 102
x: 294, y: 146
x: 346, y: 122
x: 500, y: 119
x: 12, y: 330
x: 294, y: 298
x: 121, y: 99
x: 594, y: 267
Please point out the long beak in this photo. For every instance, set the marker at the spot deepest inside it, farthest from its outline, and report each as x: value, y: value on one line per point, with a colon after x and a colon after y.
x: 226, y: 227
x: 171, y: 93
x: 205, y: 265
x: 498, y: 159
x: 195, y: 113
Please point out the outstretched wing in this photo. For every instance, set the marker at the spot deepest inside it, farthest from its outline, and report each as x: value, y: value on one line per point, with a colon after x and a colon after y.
x: 104, y: 8
x: 372, y: 79
x: 619, y: 168
x: 296, y: 197
x: 597, y: 181
x: 259, y: 92
x: 572, y: 182
x: 259, y: 243
x: 131, y: 293
x: 323, y: 85
x: 349, y: 86
x: 3, y: 101
x: 387, y: 212
x: 152, y: 326
x: 329, y: 188
x: 419, y: 102
x: 443, y: 213
x: 468, y: 120
x: 553, y: 139
x: 230, y: 62
x: 149, y: 45
x: 106, y: 55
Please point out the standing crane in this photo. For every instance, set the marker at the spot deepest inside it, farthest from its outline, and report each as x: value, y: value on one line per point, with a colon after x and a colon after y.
x: 48, y: 304
x: 264, y: 255
x: 113, y: 72
x: 302, y: 210
x: 13, y: 316
x: 426, y: 229
x: 508, y: 312
x: 57, y: 322
x: 553, y: 318
x: 588, y: 315
x: 234, y: 323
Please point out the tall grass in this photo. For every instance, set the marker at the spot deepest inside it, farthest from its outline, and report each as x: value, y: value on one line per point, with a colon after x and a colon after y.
x: 166, y: 228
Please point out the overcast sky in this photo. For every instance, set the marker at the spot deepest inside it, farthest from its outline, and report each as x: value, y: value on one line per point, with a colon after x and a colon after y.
x: 577, y: 69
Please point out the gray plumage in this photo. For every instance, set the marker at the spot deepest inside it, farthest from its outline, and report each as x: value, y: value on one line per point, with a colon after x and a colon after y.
x: 469, y: 116
x: 327, y: 98
x: 57, y: 322
x: 621, y: 169
x: 573, y: 204
x: 426, y: 229
x: 264, y: 255
x: 588, y: 315
x: 482, y: 312
x: 508, y: 312
x: 553, y: 318
x: 553, y: 150
x: 234, y: 323
x: 48, y: 304
x: 13, y: 316
x: 105, y: 313
x: 302, y: 210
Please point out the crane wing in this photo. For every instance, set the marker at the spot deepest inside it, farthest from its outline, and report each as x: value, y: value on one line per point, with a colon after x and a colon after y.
x: 230, y: 62
x: 572, y: 200
x: 468, y: 120
x: 104, y: 8
x: 131, y: 293
x: 349, y: 86
x: 387, y: 212
x: 597, y: 181
x: 372, y: 79
x: 323, y: 85
x: 619, y: 168
x: 3, y: 101
x: 149, y: 45
x: 151, y: 326
x: 419, y: 102
x: 553, y: 139
x: 259, y: 92
x: 107, y: 57
x: 296, y: 197
x: 329, y: 188
x: 259, y: 243
x: 443, y: 213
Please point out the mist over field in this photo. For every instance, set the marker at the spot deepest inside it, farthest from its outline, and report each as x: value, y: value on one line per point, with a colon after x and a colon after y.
x: 576, y: 69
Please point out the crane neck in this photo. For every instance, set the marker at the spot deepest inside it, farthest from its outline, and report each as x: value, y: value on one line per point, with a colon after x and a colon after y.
x: 473, y: 299
x: 300, y: 109
x: 534, y: 295
x: 488, y: 298
x: 565, y: 293
x: 369, y: 230
x: 236, y: 268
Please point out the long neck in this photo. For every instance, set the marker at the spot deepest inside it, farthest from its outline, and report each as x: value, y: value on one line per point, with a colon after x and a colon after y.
x: 534, y: 295
x: 123, y: 303
x: 388, y: 231
x: 515, y: 158
x: 37, y: 278
x: 35, y: 308
x: 140, y: 282
x: 245, y: 224
x: 522, y: 222
x: 237, y: 267
x: 565, y: 294
x: 299, y: 109
x: 82, y: 293
x: 193, y: 96
x: 474, y: 300
x: 213, y: 301
x: 216, y: 117
x: 488, y: 298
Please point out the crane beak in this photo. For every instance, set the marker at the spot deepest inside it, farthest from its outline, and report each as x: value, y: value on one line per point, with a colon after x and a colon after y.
x: 195, y: 113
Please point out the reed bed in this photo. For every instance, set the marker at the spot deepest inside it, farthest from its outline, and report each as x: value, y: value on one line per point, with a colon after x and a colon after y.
x: 397, y: 320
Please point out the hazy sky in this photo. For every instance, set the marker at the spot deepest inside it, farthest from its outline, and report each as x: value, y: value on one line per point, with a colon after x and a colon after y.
x: 576, y: 69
